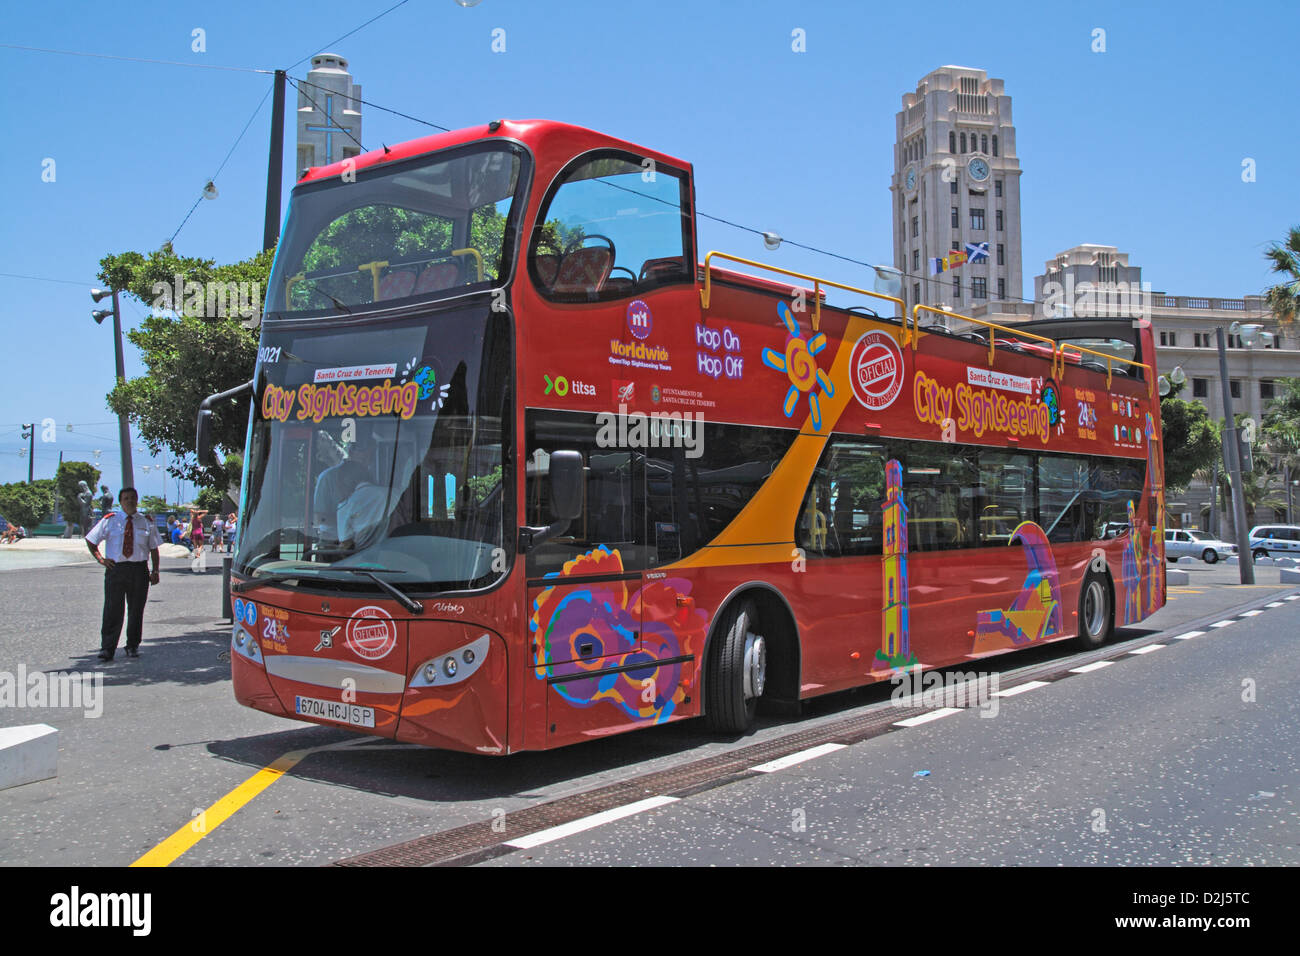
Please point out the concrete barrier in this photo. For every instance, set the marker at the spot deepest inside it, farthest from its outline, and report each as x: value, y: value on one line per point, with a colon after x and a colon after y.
x: 1177, y: 578
x: 1289, y: 576
x: 28, y: 754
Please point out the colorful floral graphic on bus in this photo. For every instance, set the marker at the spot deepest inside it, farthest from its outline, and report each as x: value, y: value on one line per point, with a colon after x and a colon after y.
x: 606, y: 615
x: 1156, y: 489
x: 800, y: 366
x: 1035, y: 614
x: 895, y: 650
x: 1130, y: 571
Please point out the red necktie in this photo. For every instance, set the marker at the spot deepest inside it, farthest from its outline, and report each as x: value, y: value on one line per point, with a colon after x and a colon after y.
x: 128, y: 539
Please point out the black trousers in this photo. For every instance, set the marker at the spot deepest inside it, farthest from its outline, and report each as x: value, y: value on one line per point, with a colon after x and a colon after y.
x: 126, y: 587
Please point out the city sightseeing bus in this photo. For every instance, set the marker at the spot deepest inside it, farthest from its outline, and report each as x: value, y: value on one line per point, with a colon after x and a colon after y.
x: 523, y: 471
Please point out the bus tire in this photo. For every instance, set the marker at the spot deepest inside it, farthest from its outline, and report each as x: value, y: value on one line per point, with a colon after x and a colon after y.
x: 736, y: 671
x: 1096, y: 615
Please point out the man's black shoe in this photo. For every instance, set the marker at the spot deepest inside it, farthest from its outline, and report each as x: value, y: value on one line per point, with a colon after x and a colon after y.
x: 105, y: 656
x: 132, y: 652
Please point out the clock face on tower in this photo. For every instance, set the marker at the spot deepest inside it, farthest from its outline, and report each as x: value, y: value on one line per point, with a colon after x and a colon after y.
x: 978, y: 169
x: 910, y: 178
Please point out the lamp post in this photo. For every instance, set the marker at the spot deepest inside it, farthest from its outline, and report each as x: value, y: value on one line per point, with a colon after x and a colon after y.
x: 29, y: 432
x: 1250, y: 334
x: 123, y: 429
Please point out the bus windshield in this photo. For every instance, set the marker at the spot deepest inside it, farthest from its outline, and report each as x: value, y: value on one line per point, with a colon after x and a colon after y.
x: 399, y: 234
x: 379, y: 449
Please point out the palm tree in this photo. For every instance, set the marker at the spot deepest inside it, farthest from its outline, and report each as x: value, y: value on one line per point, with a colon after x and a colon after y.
x: 1284, y: 299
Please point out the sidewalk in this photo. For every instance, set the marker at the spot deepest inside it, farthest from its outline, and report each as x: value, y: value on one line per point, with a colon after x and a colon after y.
x: 55, y: 552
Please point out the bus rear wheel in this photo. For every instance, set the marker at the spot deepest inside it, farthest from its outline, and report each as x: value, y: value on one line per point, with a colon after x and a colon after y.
x: 736, y: 672
x: 1095, y: 612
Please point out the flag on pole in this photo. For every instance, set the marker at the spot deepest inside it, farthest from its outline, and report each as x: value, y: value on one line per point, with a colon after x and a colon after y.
x: 978, y: 251
x: 936, y: 266
x: 954, y: 259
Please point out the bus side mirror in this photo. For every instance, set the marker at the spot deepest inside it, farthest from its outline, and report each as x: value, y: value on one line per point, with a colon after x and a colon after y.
x: 203, y: 440
x: 567, y: 479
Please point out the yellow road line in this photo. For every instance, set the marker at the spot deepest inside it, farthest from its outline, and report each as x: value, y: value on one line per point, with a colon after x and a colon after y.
x: 170, y: 849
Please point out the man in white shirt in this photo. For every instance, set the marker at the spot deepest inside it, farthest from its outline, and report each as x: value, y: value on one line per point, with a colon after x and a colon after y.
x: 129, y: 538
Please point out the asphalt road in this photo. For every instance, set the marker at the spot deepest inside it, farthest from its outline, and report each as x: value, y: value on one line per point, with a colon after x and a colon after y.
x: 1161, y: 743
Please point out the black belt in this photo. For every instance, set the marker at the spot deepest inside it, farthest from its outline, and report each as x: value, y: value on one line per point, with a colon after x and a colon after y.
x: 131, y: 562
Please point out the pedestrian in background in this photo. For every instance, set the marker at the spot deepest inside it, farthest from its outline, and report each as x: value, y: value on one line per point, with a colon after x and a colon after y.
x: 130, y: 542
x: 232, y: 525
x: 218, y: 533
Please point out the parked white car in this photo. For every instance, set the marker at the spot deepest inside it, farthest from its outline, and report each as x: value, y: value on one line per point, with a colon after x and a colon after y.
x: 1274, y: 539
x: 1195, y: 544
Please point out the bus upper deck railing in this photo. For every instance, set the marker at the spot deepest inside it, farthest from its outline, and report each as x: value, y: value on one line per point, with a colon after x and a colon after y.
x: 707, y: 292
x: 912, y: 331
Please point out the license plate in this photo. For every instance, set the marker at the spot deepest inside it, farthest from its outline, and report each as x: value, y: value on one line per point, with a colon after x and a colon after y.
x: 353, y: 714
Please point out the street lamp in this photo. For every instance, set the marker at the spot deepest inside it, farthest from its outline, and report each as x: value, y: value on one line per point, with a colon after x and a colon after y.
x: 123, y: 430
x: 1250, y: 333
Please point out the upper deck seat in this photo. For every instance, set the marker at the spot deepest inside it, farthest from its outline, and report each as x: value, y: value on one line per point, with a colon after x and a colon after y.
x: 396, y: 285
x: 584, y: 270
x: 437, y: 277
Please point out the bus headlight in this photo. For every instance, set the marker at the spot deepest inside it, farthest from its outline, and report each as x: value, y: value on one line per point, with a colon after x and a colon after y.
x: 452, y: 666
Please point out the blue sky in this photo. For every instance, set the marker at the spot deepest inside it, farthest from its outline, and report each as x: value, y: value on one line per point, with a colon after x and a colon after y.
x: 1139, y: 147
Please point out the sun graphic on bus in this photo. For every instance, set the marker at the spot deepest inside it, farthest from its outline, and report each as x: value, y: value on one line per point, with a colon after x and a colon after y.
x: 799, y: 364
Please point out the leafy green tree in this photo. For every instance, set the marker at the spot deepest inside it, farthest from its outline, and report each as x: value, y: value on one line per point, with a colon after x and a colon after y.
x: 188, y: 356
x: 1190, y: 440
x: 27, y: 505
x: 154, y: 505
x: 66, y: 487
x: 210, y: 499
x: 1283, y: 299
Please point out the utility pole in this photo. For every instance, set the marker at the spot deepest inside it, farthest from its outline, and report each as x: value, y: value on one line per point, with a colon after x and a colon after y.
x: 275, y: 165
x: 1245, y: 560
x: 1214, y: 501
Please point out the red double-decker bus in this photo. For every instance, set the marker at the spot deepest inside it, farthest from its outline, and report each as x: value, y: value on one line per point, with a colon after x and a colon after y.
x: 523, y: 471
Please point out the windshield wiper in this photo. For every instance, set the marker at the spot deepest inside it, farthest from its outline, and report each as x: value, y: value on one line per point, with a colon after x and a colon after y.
x: 337, y: 304
x: 408, y: 602
x: 270, y: 577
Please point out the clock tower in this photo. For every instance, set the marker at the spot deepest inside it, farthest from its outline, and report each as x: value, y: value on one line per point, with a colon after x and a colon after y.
x: 956, y: 187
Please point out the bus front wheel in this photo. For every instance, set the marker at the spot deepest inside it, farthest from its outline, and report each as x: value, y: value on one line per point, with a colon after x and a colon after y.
x: 1094, y: 612
x: 736, y: 671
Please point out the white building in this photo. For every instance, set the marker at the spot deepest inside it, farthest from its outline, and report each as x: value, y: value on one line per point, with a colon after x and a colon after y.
x: 956, y: 182
x: 1094, y: 280
x: 329, y: 113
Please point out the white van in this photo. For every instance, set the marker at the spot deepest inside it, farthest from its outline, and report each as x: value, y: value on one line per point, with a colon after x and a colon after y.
x: 1273, y: 539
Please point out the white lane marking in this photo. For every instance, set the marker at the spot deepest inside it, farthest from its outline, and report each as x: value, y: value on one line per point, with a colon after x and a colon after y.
x: 587, y: 823
x: 926, y: 718
x: 1293, y: 597
x: 1273, y: 604
x: 1189, y: 635
x: 1222, y: 623
x: 1147, y: 650
x: 772, y: 766
x: 1094, y: 666
x: 1021, y: 688
x: 1251, y: 613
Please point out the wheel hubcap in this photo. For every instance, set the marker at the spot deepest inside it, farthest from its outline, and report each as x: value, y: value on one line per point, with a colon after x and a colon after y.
x: 1093, y: 605
x: 755, y: 665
